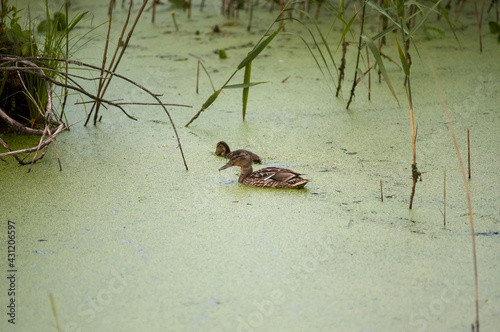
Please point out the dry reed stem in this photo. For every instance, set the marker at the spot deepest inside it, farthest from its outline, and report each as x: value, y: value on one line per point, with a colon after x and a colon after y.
x: 114, y: 64
x: 19, y: 126
x: 104, y: 59
x: 360, y: 43
x: 467, y: 193
x: 54, y: 312
x: 479, y: 22
x: 154, y: 11
x: 342, y: 67
x: 111, y: 6
x: 444, y: 199
x: 414, y: 170
x: 468, y: 152
x: 381, y: 192
x: 369, y: 75
x: 43, y: 144
x: 200, y: 63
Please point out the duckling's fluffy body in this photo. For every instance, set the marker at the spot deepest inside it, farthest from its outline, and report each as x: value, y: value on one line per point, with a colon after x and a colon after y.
x: 222, y: 149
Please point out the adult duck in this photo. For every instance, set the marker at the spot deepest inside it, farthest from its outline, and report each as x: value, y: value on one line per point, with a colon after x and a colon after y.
x: 269, y: 177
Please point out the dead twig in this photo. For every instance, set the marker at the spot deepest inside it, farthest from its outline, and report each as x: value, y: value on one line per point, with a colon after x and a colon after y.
x: 109, y: 74
x: 41, y: 145
x: 47, y: 115
x: 19, y: 126
x: 11, y: 63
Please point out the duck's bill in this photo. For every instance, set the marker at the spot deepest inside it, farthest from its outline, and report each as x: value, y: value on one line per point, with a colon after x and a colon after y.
x: 225, y: 166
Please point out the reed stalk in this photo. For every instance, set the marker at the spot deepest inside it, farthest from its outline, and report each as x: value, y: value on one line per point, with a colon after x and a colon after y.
x: 246, y: 90
x: 444, y: 199
x: 468, y: 152
x: 54, y: 312
x: 467, y: 195
x: 360, y: 44
x: 106, y: 79
x: 479, y: 21
x: 259, y: 47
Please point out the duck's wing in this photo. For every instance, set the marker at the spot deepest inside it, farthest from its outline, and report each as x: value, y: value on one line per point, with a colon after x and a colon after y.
x: 277, y: 174
x: 275, y: 177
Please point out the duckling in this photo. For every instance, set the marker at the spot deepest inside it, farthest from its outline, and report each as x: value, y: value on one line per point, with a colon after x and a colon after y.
x: 222, y: 149
x: 269, y: 177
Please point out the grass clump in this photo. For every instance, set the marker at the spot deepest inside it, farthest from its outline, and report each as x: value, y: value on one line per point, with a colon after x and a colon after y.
x: 23, y: 94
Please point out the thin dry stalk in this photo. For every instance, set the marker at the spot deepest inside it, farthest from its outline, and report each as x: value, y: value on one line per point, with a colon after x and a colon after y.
x: 416, y: 175
x: 479, y: 21
x: 382, y: 23
x: 444, y: 199
x: 414, y: 170
x: 54, y: 312
x: 369, y: 74
x: 19, y: 126
x: 111, y: 6
x: 104, y: 59
x: 200, y: 63
x: 250, y: 15
x: 460, y: 9
x: 43, y: 145
x: 468, y: 152
x: 154, y: 11
x: 342, y: 68
x: 467, y: 194
x: 360, y: 44
x: 381, y: 192
x: 114, y: 64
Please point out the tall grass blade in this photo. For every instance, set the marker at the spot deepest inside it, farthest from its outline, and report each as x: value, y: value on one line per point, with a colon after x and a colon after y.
x: 382, y: 11
x: 402, y: 58
x: 373, y: 48
x: 207, y: 103
x: 347, y: 28
x: 423, y: 17
x: 243, y: 85
x: 258, y: 49
x: 246, y: 90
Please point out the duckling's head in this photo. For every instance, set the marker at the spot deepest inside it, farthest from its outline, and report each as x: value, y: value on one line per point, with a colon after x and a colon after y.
x: 222, y: 148
x: 239, y: 158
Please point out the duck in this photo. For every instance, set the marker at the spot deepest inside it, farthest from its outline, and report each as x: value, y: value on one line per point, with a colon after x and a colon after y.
x: 269, y: 177
x: 222, y: 149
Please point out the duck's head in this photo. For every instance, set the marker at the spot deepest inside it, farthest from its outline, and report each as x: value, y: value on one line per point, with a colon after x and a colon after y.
x: 222, y: 148
x: 239, y: 158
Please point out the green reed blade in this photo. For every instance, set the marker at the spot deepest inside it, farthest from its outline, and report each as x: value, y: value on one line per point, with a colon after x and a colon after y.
x: 373, y: 48
x: 243, y: 85
x: 258, y: 49
x: 246, y: 90
x: 207, y: 103
x: 402, y: 57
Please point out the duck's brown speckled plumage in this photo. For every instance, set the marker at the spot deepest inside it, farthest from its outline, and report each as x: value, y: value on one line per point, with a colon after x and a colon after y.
x: 222, y: 149
x: 269, y: 177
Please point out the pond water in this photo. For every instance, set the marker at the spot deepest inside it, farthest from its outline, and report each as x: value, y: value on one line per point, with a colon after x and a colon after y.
x: 125, y: 239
